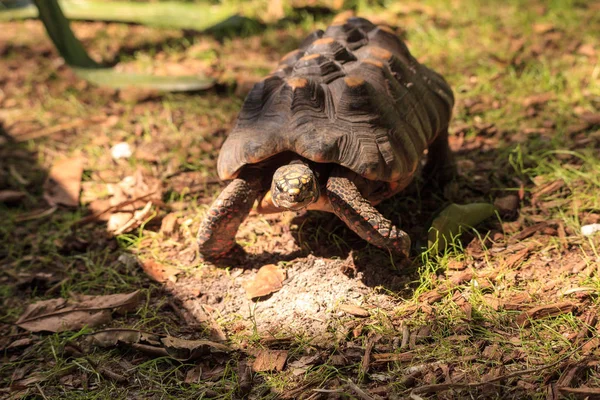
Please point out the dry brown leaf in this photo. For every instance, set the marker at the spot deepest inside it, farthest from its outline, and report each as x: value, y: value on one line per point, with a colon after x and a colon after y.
x: 461, y: 277
x: 492, y: 352
x: 269, y: 360
x: 64, y: 182
x: 169, y: 224
x: 11, y: 196
x: 160, y: 272
x: 354, y: 310
x: 537, y: 99
x: 548, y: 310
x: 57, y: 315
x: 188, y: 350
x: 19, y: 343
x: 587, y: 49
x: 114, y: 337
x: 456, y: 265
x: 268, y: 279
x: 507, y: 204
x: 591, y: 118
x: 543, y: 27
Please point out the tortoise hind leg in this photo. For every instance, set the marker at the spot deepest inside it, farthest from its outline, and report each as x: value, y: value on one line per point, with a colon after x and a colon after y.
x: 364, y: 219
x: 440, y: 164
x: 216, y: 235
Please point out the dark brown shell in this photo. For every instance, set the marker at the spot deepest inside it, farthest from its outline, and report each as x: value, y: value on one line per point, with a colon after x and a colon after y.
x: 352, y: 95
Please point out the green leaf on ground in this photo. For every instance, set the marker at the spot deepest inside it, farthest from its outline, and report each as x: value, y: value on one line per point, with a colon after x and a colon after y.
x: 453, y: 220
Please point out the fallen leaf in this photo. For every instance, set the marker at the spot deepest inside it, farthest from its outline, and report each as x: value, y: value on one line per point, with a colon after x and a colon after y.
x: 507, y: 205
x: 461, y: 277
x: 537, y: 99
x: 453, y: 220
x: 160, y: 272
x: 543, y: 27
x: 169, y: 224
x: 354, y: 310
x: 269, y: 279
x: 64, y: 182
x: 492, y: 352
x: 117, y: 220
x: 114, y: 337
x: 11, y: 196
x: 587, y: 49
x: 58, y: 315
x: 548, y: 310
x: 194, y: 374
x: 269, y: 360
x: 19, y: 343
x: 188, y: 350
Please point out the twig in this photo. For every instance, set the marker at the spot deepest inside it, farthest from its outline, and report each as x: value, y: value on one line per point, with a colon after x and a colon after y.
x: 366, y: 361
x: 358, y: 391
x: 588, y: 392
x: 94, y: 217
x: 39, y: 388
x: 52, y: 129
x: 36, y: 214
x: 447, y: 386
x: 138, y: 217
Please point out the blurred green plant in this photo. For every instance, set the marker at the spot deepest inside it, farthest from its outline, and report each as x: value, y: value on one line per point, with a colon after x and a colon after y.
x: 75, y: 55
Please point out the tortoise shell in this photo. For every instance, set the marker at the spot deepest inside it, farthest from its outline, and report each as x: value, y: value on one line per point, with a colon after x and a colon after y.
x: 351, y: 95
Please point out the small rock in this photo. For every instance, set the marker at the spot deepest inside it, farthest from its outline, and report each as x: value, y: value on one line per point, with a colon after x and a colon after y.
x: 589, y: 230
x: 121, y: 150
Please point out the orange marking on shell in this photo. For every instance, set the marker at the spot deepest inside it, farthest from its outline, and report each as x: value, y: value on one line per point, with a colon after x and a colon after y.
x: 354, y: 81
x: 380, y: 53
x: 310, y: 57
x: 325, y: 40
x: 296, y: 83
x: 290, y: 54
x: 374, y: 62
x: 387, y: 29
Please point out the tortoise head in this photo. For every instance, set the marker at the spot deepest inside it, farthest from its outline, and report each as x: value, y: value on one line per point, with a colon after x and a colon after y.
x: 294, y: 187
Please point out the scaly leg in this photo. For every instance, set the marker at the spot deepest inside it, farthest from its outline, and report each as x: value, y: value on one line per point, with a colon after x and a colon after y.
x: 364, y: 219
x: 216, y: 236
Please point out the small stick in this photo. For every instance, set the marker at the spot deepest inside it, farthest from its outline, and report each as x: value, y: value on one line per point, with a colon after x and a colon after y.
x: 94, y: 217
x: 358, y: 391
x: 51, y: 130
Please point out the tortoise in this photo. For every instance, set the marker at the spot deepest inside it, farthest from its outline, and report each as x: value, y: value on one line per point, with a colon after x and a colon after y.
x: 339, y: 126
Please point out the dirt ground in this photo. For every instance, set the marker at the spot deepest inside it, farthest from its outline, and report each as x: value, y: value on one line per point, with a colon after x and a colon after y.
x: 507, y: 311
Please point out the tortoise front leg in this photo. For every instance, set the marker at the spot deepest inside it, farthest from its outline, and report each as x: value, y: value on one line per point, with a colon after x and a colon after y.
x: 364, y: 219
x: 216, y: 236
